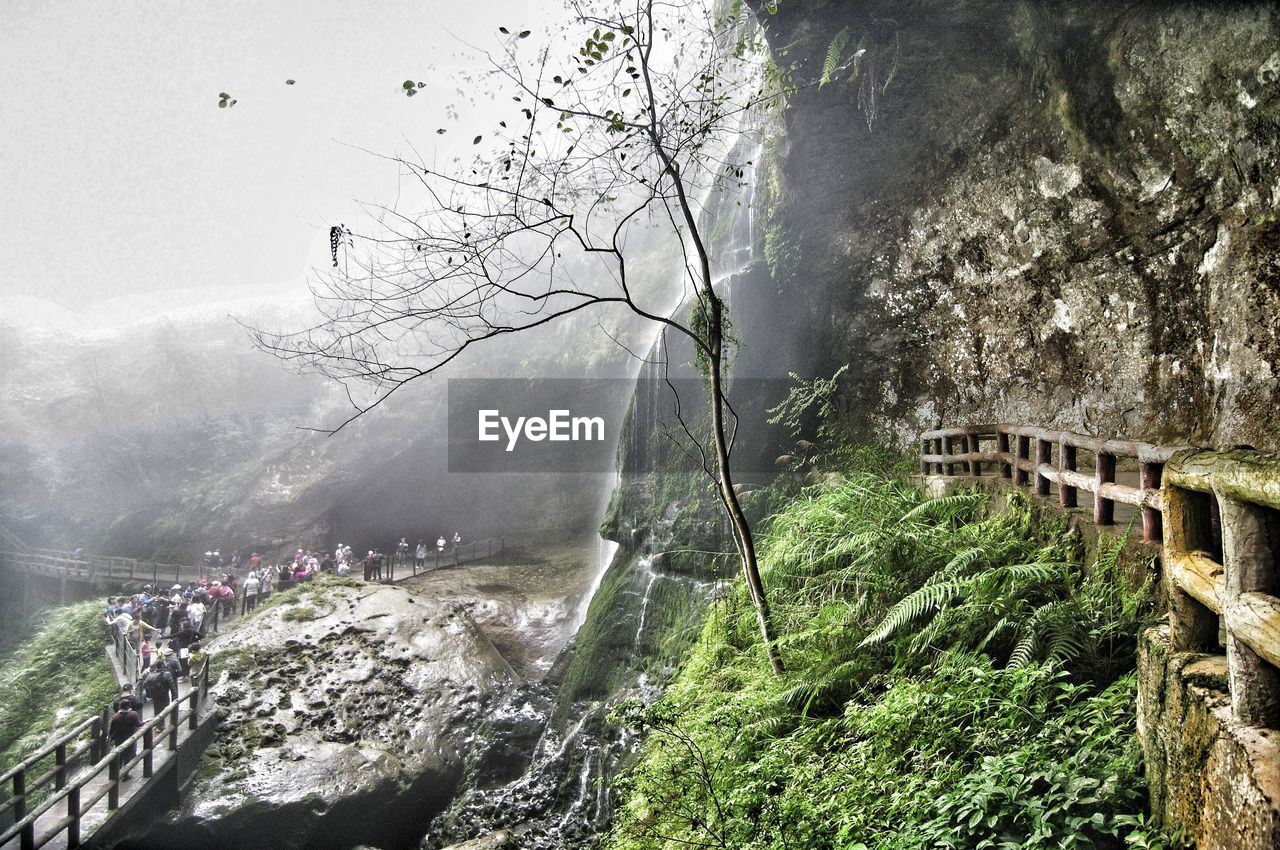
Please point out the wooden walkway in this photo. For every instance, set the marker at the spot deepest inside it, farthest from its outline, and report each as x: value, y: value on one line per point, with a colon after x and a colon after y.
x: 56, y: 563
x: 80, y: 781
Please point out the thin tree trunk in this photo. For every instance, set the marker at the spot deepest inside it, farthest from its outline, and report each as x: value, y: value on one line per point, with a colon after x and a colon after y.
x: 743, y: 537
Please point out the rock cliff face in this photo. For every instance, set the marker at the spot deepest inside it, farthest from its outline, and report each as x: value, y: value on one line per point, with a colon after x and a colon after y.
x: 1051, y: 213
x: 347, y: 714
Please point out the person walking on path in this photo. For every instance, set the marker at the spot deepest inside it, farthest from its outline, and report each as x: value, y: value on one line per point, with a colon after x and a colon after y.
x: 172, y: 664
x: 123, y: 724
x: 195, y: 613
x: 251, y: 586
x: 145, y: 649
x: 127, y: 699
x: 160, y: 688
x: 183, y: 641
x: 420, y: 556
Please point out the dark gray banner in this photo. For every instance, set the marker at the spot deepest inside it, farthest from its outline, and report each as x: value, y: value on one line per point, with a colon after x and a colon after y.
x: 594, y: 426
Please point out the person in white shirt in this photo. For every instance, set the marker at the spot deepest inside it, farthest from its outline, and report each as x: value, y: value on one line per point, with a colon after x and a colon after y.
x: 195, y: 611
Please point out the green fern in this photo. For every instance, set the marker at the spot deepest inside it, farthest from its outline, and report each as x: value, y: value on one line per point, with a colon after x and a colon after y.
x: 834, y: 51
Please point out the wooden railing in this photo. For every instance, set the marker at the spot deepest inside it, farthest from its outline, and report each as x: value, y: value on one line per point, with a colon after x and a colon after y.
x: 1027, y: 455
x: 452, y: 556
x: 88, y: 568
x: 1222, y: 569
x: 1217, y: 515
x: 127, y: 655
x: 63, y: 786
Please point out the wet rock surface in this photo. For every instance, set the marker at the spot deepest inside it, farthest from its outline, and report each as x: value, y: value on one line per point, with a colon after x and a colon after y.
x: 526, y: 603
x: 347, y: 714
x: 1019, y: 212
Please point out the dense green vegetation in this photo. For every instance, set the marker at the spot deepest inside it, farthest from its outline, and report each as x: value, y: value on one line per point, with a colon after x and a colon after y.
x: 56, y: 678
x: 956, y: 678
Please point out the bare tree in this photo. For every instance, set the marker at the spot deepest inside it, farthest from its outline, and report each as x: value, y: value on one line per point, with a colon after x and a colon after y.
x: 629, y: 116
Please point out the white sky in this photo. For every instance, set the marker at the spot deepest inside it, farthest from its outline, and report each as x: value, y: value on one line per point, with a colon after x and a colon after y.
x: 120, y: 176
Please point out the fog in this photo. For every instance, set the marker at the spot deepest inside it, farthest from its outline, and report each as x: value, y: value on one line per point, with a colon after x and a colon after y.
x: 135, y: 417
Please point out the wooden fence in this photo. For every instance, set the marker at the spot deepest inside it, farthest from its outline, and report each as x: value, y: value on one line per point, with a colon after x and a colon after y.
x: 436, y: 558
x: 947, y: 450
x: 90, y: 568
x: 1217, y: 515
x: 81, y: 757
x: 1222, y: 569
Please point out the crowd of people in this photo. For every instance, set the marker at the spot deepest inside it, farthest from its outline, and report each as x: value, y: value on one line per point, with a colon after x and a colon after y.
x: 164, y: 629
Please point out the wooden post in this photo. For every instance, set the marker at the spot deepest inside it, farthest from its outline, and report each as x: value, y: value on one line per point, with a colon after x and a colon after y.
x: 19, y: 795
x: 1251, y: 549
x: 194, y: 698
x: 1104, y: 473
x: 1023, y: 453
x: 1002, y: 446
x: 947, y: 445
x: 95, y: 743
x: 1150, y: 475
x: 148, y: 744
x: 1193, y: 627
x: 73, y: 814
x: 924, y: 450
x: 1066, y: 463
x: 113, y: 776
x: 1044, y: 453
x: 975, y: 465
x: 60, y: 762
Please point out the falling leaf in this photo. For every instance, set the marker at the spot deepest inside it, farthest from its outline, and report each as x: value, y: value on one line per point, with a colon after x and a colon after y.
x: 525, y: 34
x: 289, y: 82
x: 504, y: 30
x: 476, y: 140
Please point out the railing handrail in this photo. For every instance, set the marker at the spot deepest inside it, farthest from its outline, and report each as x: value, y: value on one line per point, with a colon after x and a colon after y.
x: 48, y: 749
x: 1139, y: 449
x: 1238, y: 520
x: 1013, y: 453
x: 1240, y: 585
x: 110, y: 761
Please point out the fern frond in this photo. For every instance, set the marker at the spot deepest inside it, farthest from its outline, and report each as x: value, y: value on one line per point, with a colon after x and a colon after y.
x: 834, y: 51
x: 946, y: 508
x: 928, y: 599
x: 1025, y: 649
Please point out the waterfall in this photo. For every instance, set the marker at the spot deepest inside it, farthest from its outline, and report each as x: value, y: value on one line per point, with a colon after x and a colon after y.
x: 646, y: 564
x: 561, y: 799
x: 605, y: 551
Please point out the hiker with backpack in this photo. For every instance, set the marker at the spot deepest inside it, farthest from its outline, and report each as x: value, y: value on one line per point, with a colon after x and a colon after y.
x: 127, y: 699
x: 160, y: 687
